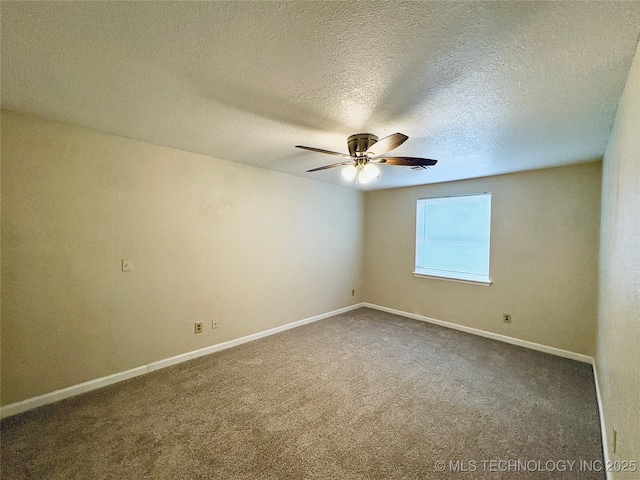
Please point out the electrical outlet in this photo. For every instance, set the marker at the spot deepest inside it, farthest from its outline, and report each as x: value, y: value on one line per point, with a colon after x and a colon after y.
x: 197, y: 328
x: 214, y: 323
x: 353, y: 293
x: 506, y: 317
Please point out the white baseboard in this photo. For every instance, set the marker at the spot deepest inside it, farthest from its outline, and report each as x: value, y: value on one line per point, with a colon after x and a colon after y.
x: 167, y: 362
x: 47, y: 398
x: 483, y: 333
x: 603, y: 427
x: 522, y: 343
x: 51, y: 397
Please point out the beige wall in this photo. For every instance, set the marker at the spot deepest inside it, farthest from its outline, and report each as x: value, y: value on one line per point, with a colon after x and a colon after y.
x: 544, y: 257
x: 618, y: 335
x: 255, y: 248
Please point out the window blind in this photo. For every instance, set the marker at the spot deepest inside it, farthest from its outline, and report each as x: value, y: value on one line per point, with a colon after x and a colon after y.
x: 453, y: 237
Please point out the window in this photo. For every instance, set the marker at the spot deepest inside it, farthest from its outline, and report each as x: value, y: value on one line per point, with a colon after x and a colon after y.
x: 453, y: 236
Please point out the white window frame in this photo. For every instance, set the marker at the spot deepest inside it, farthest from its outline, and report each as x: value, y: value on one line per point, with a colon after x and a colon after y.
x: 449, y: 275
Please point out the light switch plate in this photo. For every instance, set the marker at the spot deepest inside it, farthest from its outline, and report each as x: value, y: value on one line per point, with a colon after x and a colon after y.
x: 127, y: 265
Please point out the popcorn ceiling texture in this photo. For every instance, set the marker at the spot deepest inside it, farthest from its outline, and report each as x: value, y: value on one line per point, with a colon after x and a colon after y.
x: 484, y: 87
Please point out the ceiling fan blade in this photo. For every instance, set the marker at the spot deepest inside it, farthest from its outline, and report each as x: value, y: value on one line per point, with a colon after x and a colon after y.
x: 386, y: 144
x: 404, y: 161
x: 330, y: 166
x: 320, y: 150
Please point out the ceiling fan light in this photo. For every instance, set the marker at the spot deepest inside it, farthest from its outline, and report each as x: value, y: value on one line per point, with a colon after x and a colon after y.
x: 349, y: 172
x: 363, y: 177
x: 371, y: 171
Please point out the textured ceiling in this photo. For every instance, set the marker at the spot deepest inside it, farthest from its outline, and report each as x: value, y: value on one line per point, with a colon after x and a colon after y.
x: 484, y: 87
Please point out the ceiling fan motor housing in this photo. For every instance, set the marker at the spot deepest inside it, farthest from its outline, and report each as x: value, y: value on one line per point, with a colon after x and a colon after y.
x: 360, y: 142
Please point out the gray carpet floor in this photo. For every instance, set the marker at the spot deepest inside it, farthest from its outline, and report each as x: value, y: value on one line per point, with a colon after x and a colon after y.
x: 361, y: 395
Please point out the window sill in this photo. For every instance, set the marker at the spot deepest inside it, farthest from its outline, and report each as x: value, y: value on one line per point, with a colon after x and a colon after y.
x: 450, y: 279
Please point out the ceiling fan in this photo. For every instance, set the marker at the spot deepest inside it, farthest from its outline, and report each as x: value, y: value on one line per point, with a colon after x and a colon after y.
x: 366, y: 152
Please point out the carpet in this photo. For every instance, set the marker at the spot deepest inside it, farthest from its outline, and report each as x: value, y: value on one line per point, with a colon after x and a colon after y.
x: 362, y: 395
